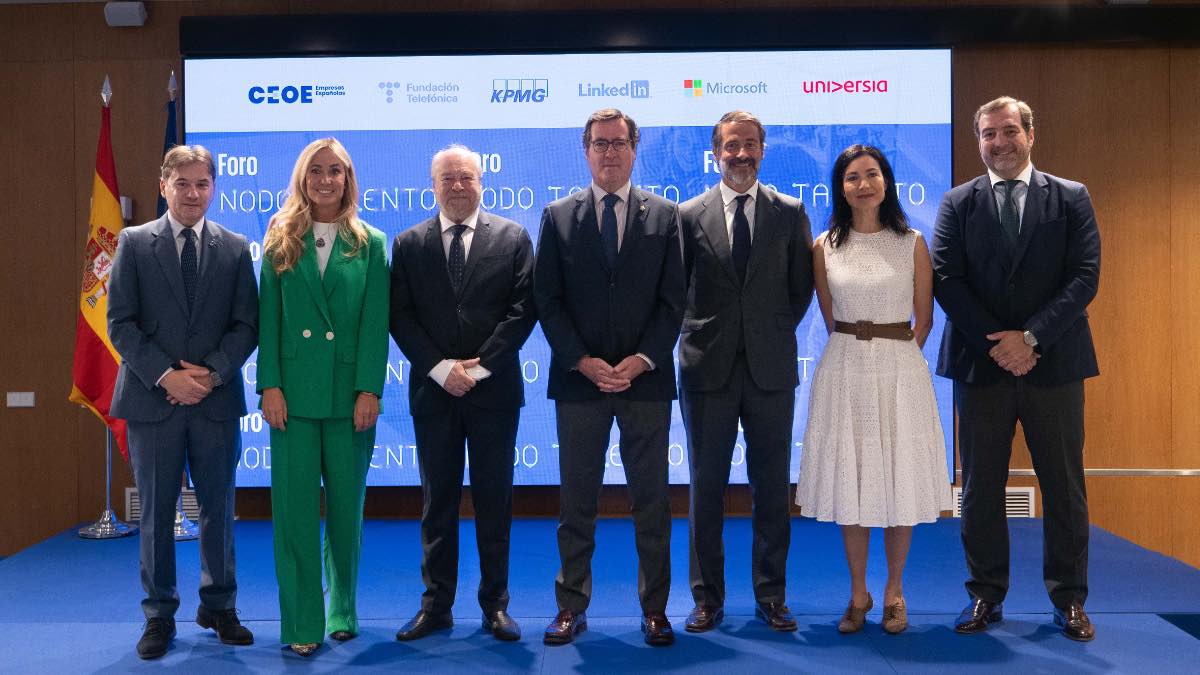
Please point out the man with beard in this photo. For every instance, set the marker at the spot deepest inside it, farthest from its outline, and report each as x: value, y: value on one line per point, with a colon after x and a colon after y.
x: 462, y: 306
x: 749, y: 270
x: 1016, y: 261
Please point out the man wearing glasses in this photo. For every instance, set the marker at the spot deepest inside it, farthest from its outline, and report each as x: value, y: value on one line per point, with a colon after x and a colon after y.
x: 609, y: 289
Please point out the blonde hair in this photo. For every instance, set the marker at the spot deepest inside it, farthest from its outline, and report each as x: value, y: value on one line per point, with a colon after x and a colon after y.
x: 284, y: 242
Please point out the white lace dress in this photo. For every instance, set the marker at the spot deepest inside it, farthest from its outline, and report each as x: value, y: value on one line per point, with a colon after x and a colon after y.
x: 874, y: 454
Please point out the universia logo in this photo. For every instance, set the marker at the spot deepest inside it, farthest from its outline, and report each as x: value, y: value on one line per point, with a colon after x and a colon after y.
x: 845, y: 86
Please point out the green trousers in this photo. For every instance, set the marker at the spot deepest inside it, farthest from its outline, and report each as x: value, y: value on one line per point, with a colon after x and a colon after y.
x: 307, y: 452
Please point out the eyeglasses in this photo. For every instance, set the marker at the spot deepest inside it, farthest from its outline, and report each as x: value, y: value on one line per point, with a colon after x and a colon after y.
x: 601, y: 145
x: 450, y: 179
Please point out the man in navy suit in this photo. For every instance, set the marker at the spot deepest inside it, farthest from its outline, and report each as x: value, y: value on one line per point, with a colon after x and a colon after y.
x: 462, y: 306
x: 609, y: 288
x: 748, y: 260
x: 183, y: 315
x: 1016, y: 256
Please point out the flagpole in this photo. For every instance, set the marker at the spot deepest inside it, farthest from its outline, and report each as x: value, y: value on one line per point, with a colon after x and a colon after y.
x: 108, y: 526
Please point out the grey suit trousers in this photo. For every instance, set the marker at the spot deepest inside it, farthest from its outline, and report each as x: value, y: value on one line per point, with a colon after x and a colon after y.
x: 157, y: 451
x: 583, y: 434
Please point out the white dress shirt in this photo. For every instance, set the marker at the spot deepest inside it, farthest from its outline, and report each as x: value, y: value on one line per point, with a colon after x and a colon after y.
x: 621, y: 208
x: 441, y: 371
x: 729, y: 197
x: 1020, y: 192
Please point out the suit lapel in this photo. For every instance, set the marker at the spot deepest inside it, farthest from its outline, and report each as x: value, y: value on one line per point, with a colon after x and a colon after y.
x: 434, y: 255
x: 306, y: 266
x: 334, y: 267
x: 210, y: 245
x: 766, y: 215
x: 635, y: 225
x: 168, y: 260
x: 987, y: 219
x: 588, y: 227
x: 481, y: 241
x: 712, y: 224
x: 1035, y: 203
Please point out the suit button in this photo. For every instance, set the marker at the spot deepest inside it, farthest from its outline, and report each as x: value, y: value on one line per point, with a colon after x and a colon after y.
x: 329, y: 336
x: 459, y: 308
x: 306, y: 333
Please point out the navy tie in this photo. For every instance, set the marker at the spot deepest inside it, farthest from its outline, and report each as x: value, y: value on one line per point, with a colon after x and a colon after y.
x: 187, y: 264
x: 458, y: 259
x: 1010, y: 221
x: 741, y: 238
x: 608, y: 229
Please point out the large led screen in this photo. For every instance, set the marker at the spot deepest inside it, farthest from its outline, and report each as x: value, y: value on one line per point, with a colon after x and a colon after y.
x: 523, y: 114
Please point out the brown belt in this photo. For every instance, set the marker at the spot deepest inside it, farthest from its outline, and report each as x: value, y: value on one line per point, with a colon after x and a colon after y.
x: 865, y: 330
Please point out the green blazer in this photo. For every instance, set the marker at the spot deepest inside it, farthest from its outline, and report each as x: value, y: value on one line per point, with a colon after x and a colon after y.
x: 323, y: 340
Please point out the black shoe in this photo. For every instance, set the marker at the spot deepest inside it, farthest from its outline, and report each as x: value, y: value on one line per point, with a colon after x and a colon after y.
x: 656, y: 630
x: 978, y: 615
x: 704, y: 618
x: 423, y: 624
x: 564, y: 628
x: 501, y: 626
x: 226, y: 623
x: 343, y: 635
x: 1075, y: 623
x: 156, y: 638
x: 776, y: 615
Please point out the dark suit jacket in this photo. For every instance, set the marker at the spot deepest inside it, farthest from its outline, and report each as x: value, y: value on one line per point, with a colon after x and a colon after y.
x: 764, y: 312
x: 586, y: 309
x: 151, y: 328
x: 490, y: 318
x: 1044, y: 285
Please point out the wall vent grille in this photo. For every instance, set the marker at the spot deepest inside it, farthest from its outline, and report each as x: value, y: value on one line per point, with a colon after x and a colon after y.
x: 1018, y: 502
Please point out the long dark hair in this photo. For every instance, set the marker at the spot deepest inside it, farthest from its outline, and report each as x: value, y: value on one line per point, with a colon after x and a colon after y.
x: 841, y: 218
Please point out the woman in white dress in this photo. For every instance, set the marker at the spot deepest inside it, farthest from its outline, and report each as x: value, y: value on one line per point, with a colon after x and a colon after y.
x: 874, y: 454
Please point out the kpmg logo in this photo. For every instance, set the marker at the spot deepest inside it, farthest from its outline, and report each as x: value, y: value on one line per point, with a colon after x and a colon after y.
x: 698, y: 88
x: 845, y: 86
x: 520, y: 90
x: 292, y: 93
x: 630, y: 89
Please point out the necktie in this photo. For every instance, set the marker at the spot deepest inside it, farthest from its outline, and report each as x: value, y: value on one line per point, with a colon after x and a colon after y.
x: 741, y: 238
x: 458, y: 259
x: 187, y: 264
x: 608, y: 229
x: 1010, y: 221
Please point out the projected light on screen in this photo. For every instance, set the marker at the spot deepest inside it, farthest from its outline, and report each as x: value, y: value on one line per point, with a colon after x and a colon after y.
x: 524, y: 115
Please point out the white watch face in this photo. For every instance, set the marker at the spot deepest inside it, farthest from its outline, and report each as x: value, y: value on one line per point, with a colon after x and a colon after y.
x: 1030, y: 339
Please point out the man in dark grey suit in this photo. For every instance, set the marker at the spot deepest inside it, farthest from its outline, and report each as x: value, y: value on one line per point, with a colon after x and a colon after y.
x: 609, y: 288
x: 183, y: 315
x: 746, y: 253
x: 462, y: 306
x: 1016, y: 260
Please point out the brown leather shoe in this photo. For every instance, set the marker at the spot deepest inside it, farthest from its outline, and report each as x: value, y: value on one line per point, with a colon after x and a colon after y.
x: 977, y: 615
x: 895, y: 617
x: 565, y: 626
x: 656, y: 630
x: 776, y: 615
x: 854, y: 617
x: 1075, y: 623
x: 703, y: 618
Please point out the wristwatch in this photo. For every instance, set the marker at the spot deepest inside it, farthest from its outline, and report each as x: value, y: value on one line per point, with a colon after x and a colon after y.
x: 1029, y: 339
x: 215, y: 377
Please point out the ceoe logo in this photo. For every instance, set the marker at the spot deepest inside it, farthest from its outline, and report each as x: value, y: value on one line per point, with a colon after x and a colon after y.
x: 281, y: 94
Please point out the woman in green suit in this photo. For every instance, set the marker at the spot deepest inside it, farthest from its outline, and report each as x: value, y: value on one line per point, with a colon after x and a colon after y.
x: 321, y: 362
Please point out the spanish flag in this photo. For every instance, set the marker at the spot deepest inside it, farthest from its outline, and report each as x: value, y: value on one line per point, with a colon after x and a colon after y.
x: 95, y: 371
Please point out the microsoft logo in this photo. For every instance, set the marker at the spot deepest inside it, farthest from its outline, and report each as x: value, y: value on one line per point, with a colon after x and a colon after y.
x: 692, y: 88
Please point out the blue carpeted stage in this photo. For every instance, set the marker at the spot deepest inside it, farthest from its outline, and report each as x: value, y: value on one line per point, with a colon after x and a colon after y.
x: 71, y: 605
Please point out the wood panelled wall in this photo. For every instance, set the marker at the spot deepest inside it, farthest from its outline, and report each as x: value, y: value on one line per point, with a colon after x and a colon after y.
x: 1124, y: 119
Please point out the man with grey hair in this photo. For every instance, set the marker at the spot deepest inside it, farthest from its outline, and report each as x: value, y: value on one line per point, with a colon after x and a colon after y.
x: 183, y: 315
x: 461, y: 308
x: 1016, y: 259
